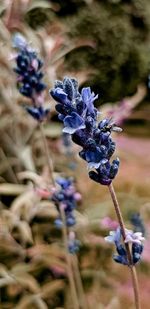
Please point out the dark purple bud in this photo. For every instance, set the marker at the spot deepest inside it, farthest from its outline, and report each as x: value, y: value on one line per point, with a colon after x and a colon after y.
x: 34, y: 112
x: 70, y: 221
x: 68, y: 87
x: 40, y: 87
x: 58, y: 223
x: 136, y: 257
x: 103, y: 123
x: 58, y: 84
x: 40, y: 64
x: 80, y: 138
x: 121, y: 250
x: 120, y: 259
x: 137, y: 248
x: 33, y: 81
x: 114, y: 168
x: 111, y: 149
x: 100, y: 179
x: 59, y: 95
x: 26, y: 90
x: 64, y: 183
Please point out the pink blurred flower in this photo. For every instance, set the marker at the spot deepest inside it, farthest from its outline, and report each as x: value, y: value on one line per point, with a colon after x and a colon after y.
x: 108, y: 223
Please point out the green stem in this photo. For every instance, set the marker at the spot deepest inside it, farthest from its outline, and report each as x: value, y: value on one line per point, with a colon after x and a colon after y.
x: 123, y: 232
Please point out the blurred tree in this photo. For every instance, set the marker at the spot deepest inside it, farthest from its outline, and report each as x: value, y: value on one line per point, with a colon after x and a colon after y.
x: 120, y: 30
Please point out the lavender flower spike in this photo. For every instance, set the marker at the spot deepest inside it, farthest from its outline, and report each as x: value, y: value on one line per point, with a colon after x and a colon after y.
x: 29, y: 77
x: 80, y: 119
x: 66, y: 197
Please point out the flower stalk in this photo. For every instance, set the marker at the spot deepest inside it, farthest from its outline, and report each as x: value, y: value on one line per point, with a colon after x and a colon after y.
x: 123, y: 232
x: 64, y: 225
x: 30, y: 84
x: 47, y: 156
x: 82, y: 299
x: 68, y: 259
x: 80, y: 118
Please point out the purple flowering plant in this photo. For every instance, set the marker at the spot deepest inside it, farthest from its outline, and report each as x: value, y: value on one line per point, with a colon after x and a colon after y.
x: 80, y: 118
x: 65, y: 199
x: 29, y: 77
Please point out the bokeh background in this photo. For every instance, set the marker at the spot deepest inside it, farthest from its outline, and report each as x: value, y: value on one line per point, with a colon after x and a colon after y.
x: 105, y: 45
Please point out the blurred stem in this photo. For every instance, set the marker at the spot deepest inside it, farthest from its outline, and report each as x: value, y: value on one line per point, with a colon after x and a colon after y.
x: 123, y: 232
x: 47, y: 155
x: 68, y: 260
x: 9, y: 167
x: 79, y: 282
x: 64, y: 229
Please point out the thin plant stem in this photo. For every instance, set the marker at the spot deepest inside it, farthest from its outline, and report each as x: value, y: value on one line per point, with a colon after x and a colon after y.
x: 68, y: 260
x: 48, y: 158
x: 123, y: 232
x: 64, y: 229
x: 79, y: 282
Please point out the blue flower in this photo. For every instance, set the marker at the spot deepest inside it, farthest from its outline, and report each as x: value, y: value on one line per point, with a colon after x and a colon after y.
x: 88, y: 98
x: 29, y: 77
x: 66, y: 197
x: 59, y: 95
x: 137, y: 250
x: 38, y: 113
x: 79, y: 116
x: 73, y: 243
x: 135, y: 239
x: 114, y: 237
x: 72, y: 123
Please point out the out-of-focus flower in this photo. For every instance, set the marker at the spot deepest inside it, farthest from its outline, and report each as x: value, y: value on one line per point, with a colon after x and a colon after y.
x: 73, y: 243
x: 29, y: 77
x: 65, y: 197
x: 137, y: 222
x: 108, y: 223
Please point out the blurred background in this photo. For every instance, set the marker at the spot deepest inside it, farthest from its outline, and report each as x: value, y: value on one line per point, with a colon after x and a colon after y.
x: 105, y: 44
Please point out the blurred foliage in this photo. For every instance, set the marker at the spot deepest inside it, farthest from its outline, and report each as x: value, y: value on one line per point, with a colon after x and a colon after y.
x: 120, y: 31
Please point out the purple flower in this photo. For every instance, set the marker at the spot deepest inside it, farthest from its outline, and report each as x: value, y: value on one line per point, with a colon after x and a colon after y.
x: 59, y: 95
x: 38, y: 113
x: 29, y: 77
x: 73, y: 123
x: 135, y: 239
x: 114, y: 236
x: 73, y: 243
x: 88, y: 98
x: 79, y: 116
x: 65, y: 197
